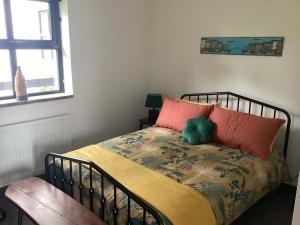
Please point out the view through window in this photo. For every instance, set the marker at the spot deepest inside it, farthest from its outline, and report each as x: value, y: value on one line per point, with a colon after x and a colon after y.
x: 30, y: 38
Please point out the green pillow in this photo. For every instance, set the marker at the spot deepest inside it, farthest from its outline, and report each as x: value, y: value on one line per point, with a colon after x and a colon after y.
x: 198, y: 130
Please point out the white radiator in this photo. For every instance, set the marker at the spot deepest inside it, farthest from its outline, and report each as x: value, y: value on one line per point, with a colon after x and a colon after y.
x: 23, y: 146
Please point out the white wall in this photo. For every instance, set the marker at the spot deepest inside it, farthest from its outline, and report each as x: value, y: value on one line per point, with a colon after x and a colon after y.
x: 108, y: 51
x: 176, y: 65
x: 108, y: 45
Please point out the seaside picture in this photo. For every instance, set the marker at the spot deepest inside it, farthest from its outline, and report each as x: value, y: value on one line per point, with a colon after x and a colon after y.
x: 257, y: 46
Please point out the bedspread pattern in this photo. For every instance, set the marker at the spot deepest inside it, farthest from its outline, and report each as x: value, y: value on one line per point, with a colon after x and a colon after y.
x: 231, y: 179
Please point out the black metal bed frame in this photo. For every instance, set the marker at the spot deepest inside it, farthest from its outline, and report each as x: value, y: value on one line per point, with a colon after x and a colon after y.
x: 2, y: 215
x: 51, y: 159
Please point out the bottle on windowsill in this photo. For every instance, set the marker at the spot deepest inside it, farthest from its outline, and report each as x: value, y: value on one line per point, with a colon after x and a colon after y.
x: 20, y: 85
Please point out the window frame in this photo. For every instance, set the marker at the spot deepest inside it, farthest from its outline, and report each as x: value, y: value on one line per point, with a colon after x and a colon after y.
x: 55, y: 43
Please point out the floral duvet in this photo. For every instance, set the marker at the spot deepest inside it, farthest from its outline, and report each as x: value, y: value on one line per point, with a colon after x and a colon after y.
x: 230, y: 179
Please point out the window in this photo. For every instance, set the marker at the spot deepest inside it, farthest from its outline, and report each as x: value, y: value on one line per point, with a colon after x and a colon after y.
x: 30, y: 37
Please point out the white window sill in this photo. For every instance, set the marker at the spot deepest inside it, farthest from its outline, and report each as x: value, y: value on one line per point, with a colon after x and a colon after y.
x: 35, y: 99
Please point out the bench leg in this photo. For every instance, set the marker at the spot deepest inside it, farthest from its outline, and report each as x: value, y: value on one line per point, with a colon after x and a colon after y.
x: 2, y: 215
x: 20, y: 218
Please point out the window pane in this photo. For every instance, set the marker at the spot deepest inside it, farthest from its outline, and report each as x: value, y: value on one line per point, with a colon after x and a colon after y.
x: 5, y: 74
x: 31, y: 19
x: 40, y: 69
x: 2, y: 21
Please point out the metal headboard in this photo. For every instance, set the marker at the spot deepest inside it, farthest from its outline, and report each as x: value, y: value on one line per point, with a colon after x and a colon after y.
x: 229, y: 96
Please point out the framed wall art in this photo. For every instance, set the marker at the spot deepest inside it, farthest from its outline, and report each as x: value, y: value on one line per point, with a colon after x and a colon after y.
x: 257, y: 46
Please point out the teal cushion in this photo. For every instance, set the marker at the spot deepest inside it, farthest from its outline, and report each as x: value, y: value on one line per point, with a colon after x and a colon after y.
x: 198, y: 130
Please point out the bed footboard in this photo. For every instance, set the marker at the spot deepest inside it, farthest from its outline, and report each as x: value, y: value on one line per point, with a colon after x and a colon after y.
x: 2, y: 215
x: 55, y: 166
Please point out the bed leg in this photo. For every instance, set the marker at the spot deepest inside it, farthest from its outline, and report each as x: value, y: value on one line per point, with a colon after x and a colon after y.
x: 2, y: 215
x: 20, y: 218
x: 280, y: 190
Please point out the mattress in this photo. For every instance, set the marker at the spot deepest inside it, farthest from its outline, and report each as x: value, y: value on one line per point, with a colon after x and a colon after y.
x: 230, y: 179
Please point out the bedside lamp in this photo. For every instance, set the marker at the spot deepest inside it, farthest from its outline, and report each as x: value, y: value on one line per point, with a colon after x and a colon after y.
x: 153, y: 101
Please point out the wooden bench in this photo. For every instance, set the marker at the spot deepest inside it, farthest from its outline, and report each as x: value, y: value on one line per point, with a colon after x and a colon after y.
x: 44, y: 204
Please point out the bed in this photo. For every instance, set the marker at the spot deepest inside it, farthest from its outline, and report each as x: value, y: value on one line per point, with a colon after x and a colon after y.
x: 230, y: 179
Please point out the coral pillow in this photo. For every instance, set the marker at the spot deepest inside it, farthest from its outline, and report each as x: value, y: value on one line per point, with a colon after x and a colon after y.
x: 174, y: 114
x: 247, y: 132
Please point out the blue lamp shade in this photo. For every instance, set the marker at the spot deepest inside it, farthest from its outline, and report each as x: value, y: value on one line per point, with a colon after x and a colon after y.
x: 154, y: 101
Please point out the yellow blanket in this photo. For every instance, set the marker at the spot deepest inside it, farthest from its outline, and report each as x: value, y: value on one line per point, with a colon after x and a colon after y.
x: 179, y: 203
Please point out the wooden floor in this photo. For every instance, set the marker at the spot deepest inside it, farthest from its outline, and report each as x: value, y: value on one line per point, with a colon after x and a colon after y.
x: 273, y: 209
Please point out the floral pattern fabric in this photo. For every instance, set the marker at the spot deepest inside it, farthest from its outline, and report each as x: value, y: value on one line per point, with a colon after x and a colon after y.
x: 230, y: 179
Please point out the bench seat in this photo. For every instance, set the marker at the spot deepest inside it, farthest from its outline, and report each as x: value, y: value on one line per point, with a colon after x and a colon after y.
x: 44, y: 204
